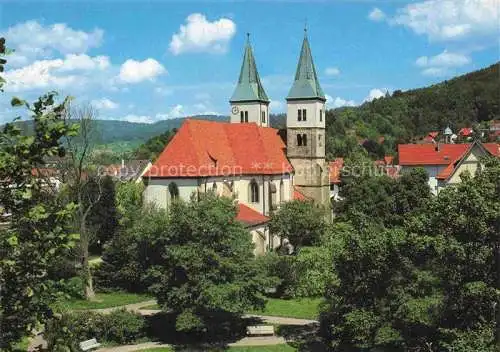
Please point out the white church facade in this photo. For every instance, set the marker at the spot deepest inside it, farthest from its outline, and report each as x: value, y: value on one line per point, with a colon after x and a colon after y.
x: 246, y: 159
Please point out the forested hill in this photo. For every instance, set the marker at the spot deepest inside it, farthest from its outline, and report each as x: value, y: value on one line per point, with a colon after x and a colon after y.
x: 404, y: 116
x: 112, y: 131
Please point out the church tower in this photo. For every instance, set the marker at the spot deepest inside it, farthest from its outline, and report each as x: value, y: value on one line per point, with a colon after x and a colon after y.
x: 305, y: 124
x: 249, y: 102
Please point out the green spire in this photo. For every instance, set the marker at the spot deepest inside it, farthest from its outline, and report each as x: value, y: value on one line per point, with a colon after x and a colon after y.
x: 306, y: 84
x: 249, y: 87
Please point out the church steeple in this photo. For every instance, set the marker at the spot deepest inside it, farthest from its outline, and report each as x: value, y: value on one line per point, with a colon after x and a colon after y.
x: 249, y: 102
x: 249, y: 87
x: 306, y: 84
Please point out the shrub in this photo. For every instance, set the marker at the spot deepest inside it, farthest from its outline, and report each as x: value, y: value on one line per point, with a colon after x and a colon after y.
x: 306, y: 274
x: 64, y: 331
x: 122, y: 326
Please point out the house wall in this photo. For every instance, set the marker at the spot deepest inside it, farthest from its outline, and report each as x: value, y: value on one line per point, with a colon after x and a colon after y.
x: 470, y: 163
x: 432, y: 171
x: 157, y: 189
x: 157, y: 192
x: 262, y: 239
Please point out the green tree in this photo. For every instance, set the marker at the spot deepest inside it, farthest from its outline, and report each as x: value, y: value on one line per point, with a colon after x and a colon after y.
x: 38, y: 229
x: 135, y: 250
x: 208, y: 266
x: 383, y: 201
x: 302, y: 222
x: 430, y: 285
x: 103, y: 218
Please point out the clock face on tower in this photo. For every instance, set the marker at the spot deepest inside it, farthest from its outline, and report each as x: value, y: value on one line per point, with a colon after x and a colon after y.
x: 235, y: 110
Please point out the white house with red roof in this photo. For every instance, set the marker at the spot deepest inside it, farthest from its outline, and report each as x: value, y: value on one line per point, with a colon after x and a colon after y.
x: 445, y: 162
x: 247, y: 160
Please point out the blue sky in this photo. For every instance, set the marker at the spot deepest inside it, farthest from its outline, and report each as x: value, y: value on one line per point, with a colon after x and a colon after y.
x: 147, y: 61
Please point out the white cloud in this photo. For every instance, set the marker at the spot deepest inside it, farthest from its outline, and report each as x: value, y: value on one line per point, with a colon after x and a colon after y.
x: 435, y: 71
x: 376, y: 15
x: 332, y: 71
x: 32, y: 40
x: 164, y: 91
x: 138, y: 118
x: 104, y: 104
x: 174, y: 112
x: 445, y: 59
x: 71, y: 70
x: 201, y: 35
x: 450, y: 19
x: 338, y: 102
x: 132, y: 71
x: 440, y: 65
x: 376, y: 93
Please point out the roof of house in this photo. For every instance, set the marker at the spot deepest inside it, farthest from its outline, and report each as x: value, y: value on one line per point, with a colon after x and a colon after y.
x: 433, y: 134
x: 442, y: 154
x: 465, y: 131
x: 208, y: 148
x: 249, y: 87
x: 298, y: 195
x: 306, y: 84
x: 335, y: 168
x: 250, y: 217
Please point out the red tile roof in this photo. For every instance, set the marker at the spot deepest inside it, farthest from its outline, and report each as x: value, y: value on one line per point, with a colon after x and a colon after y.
x: 465, y: 131
x: 209, y: 148
x: 335, y: 168
x: 448, y: 154
x: 298, y: 195
x: 388, y: 159
x: 250, y: 217
x: 427, y: 154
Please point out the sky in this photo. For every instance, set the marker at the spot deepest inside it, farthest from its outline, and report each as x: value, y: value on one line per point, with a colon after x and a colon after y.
x: 145, y: 61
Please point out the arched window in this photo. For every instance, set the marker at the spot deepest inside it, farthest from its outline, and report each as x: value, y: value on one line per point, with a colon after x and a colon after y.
x: 304, y: 140
x: 173, y: 190
x: 282, y: 191
x: 299, y: 140
x: 254, y: 191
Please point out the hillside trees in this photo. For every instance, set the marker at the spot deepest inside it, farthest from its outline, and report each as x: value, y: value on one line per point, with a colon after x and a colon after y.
x: 39, y: 225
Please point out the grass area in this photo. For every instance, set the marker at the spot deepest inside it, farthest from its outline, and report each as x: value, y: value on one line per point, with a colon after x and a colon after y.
x: 273, y: 348
x: 22, y: 345
x: 304, y: 308
x: 104, y: 300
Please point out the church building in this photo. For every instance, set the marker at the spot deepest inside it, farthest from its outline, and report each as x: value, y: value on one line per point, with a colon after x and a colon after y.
x: 245, y: 158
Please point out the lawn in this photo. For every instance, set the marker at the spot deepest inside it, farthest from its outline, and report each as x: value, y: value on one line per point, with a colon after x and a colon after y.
x: 273, y: 348
x: 304, y: 308
x: 104, y: 300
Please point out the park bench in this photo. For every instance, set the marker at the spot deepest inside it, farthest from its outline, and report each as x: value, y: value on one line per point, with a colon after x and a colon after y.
x: 89, y: 345
x: 260, y: 330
